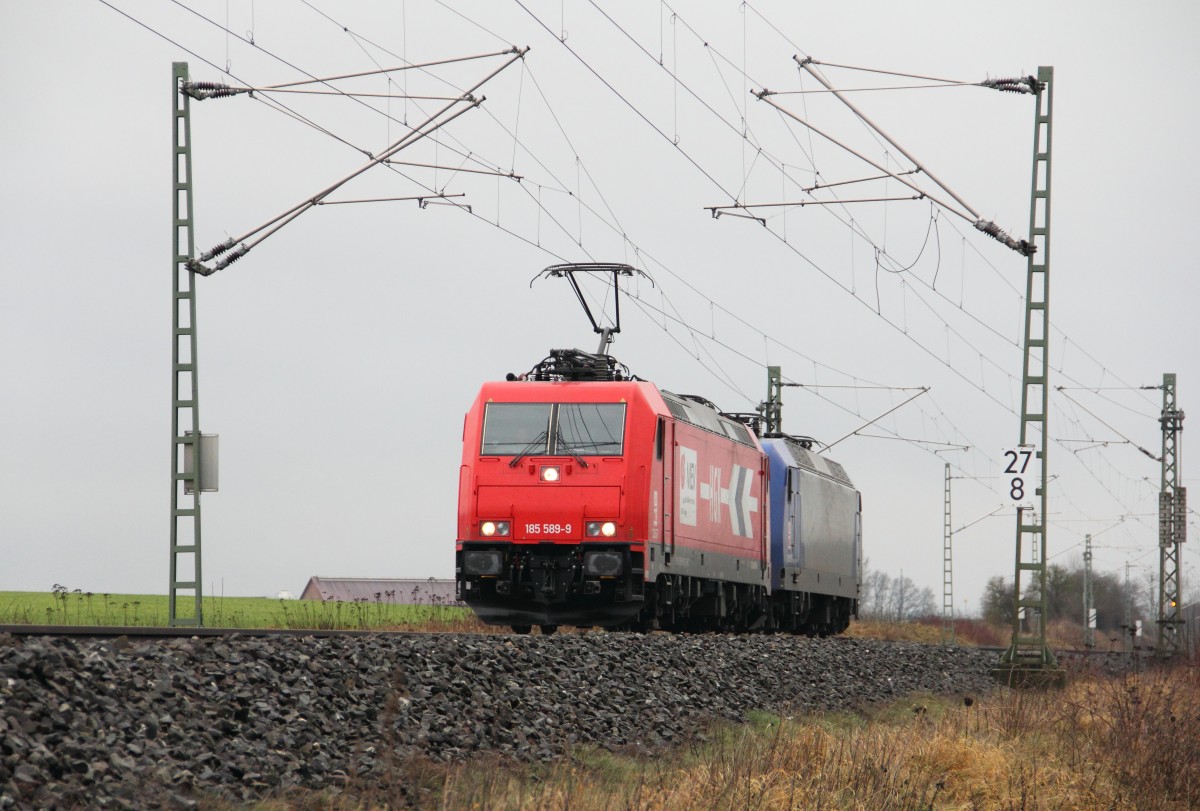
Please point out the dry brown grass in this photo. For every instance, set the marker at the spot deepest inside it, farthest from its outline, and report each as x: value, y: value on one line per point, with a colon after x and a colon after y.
x: 929, y: 631
x: 1104, y: 742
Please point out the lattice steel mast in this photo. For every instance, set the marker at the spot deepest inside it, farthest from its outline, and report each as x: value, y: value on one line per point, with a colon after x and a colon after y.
x: 1172, y: 526
x: 1089, y: 599
x: 185, y: 395
x: 773, y: 407
x: 1028, y: 650
x: 947, y: 568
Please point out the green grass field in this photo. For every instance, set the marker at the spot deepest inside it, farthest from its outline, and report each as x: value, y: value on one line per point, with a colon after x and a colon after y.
x: 77, y: 607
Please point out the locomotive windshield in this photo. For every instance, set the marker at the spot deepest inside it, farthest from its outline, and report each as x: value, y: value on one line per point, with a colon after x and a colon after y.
x: 591, y: 428
x: 585, y: 429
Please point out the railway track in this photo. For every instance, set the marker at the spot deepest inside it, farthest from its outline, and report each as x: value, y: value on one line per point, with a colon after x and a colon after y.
x: 1090, y: 658
x: 184, y: 632
x: 181, y: 632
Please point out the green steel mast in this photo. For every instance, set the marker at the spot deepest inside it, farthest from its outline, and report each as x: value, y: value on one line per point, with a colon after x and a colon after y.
x: 185, y: 397
x: 773, y: 407
x: 1028, y: 655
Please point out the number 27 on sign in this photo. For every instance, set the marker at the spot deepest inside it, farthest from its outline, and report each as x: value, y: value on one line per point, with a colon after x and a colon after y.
x: 1018, y: 464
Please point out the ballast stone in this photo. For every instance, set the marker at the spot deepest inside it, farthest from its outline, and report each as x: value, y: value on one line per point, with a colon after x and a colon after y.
x: 135, y: 722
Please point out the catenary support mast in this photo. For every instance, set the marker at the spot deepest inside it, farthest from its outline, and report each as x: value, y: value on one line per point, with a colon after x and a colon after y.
x: 773, y: 407
x: 185, y: 396
x: 1028, y: 656
x: 1089, y: 599
x: 1172, y: 526
x: 947, y: 569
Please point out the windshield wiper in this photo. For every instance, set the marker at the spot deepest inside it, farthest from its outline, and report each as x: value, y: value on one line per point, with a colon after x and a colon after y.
x: 561, y: 444
x: 540, y: 438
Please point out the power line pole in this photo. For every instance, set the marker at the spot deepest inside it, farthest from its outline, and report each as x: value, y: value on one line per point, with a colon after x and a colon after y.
x: 185, y: 395
x: 773, y: 407
x: 1172, y: 526
x: 947, y: 569
x: 1089, y: 600
x: 1128, y: 626
x: 1028, y: 657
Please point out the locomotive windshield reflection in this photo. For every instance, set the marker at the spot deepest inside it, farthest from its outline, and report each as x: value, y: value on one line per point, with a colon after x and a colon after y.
x: 553, y: 429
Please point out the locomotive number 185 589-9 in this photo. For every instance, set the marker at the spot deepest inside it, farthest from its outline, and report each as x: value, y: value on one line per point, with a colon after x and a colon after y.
x: 548, y: 529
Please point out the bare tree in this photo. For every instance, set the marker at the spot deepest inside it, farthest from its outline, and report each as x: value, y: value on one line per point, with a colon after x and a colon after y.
x: 908, y: 601
x: 876, y: 593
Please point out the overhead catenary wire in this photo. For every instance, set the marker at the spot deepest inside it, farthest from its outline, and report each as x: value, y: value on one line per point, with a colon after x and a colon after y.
x: 960, y: 307
x: 880, y: 89
x: 299, y: 117
x: 273, y: 104
x: 981, y: 356
x: 515, y: 234
x: 275, y: 224
x: 692, y: 160
x: 728, y: 193
x: 694, y: 331
x: 992, y: 514
x: 1060, y: 390
x: 807, y: 65
x: 325, y: 131
x: 1053, y: 326
x: 877, y: 419
x: 421, y: 67
x: 742, y: 135
x: 420, y: 198
x: 765, y: 95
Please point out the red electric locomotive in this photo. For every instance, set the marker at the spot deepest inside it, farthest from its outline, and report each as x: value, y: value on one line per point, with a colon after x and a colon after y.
x: 589, y: 498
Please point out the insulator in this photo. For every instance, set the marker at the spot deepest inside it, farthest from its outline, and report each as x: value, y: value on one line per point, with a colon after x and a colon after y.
x: 210, y: 90
x: 217, y: 250
x: 988, y: 227
x: 233, y: 257
x: 1026, y: 84
x: 1021, y: 246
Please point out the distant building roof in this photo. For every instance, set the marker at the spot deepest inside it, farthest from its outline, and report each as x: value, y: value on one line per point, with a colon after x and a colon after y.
x: 428, y: 591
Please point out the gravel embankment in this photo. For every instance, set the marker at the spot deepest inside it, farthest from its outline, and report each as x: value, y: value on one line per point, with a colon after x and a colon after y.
x: 114, y: 723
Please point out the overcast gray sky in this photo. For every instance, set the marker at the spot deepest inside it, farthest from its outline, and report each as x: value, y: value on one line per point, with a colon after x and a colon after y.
x: 337, y: 359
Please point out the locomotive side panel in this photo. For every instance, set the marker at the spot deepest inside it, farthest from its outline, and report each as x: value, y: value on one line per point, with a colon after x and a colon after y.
x: 826, y: 513
x: 719, y: 519
x: 816, y: 534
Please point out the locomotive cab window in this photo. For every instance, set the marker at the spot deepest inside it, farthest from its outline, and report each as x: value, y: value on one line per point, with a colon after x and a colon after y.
x: 590, y: 429
x: 553, y: 429
x: 512, y: 428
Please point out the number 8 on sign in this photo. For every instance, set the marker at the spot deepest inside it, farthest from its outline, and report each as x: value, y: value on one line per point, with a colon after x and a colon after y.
x: 1018, y: 465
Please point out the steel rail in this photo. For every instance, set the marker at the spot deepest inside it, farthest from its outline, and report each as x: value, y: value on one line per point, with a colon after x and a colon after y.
x: 178, y: 632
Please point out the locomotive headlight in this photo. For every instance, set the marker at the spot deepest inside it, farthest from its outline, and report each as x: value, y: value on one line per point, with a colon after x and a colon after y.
x: 602, y: 563
x: 491, y: 528
x: 488, y: 562
x: 551, y: 473
x: 597, y: 529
